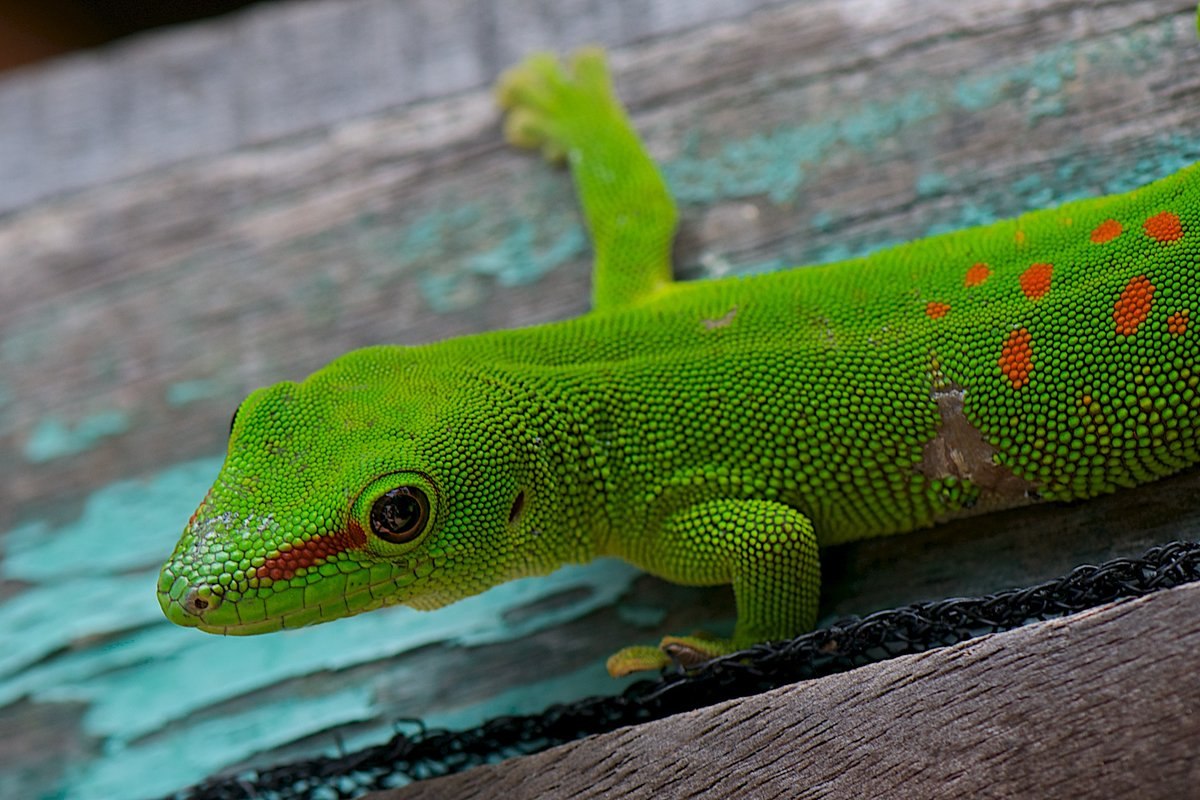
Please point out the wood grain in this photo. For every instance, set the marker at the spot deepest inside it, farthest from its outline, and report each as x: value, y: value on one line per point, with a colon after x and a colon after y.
x: 266, y: 73
x: 1102, y: 704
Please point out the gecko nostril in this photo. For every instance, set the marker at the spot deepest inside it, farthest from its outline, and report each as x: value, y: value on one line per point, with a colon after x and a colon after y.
x: 198, y: 600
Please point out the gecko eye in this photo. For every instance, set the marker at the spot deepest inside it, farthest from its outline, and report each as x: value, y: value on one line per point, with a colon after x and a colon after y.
x: 400, y: 515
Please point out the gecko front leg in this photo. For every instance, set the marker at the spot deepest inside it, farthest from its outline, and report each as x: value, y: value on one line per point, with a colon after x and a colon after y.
x: 767, y: 550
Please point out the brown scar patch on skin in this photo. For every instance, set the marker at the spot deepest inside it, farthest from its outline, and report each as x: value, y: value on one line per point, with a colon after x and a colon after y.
x: 959, y: 450
x: 720, y: 322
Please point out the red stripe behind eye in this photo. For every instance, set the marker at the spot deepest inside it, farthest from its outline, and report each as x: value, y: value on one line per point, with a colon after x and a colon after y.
x: 283, y: 566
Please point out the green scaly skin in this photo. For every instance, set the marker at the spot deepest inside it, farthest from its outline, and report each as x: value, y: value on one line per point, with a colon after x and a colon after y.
x: 711, y: 432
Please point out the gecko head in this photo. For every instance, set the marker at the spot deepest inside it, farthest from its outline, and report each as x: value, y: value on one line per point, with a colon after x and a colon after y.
x: 351, y: 491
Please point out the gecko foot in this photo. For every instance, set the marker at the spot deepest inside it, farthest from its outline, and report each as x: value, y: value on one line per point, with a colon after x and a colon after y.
x: 541, y: 96
x: 687, y: 651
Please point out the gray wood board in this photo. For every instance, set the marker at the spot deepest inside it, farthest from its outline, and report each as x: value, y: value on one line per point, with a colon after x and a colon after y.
x: 1102, y: 704
x: 278, y: 70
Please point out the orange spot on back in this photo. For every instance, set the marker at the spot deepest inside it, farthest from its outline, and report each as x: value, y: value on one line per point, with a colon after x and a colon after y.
x: 1016, y: 357
x: 1177, y: 323
x: 1020, y: 238
x: 1106, y: 231
x: 977, y: 274
x: 1035, y: 281
x: 935, y: 310
x: 1133, y: 306
x: 1164, y: 227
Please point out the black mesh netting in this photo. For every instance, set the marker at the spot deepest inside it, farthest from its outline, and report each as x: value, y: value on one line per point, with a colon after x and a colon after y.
x: 842, y: 646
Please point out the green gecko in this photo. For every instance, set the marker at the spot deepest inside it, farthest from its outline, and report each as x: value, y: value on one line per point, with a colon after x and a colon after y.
x: 708, y: 432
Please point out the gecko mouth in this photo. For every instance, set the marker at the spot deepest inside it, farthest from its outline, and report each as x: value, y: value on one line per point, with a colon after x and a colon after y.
x: 203, y: 607
x: 207, y: 607
x: 197, y: 607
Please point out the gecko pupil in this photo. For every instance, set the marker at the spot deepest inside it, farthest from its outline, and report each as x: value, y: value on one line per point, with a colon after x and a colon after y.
x: 399, y: 515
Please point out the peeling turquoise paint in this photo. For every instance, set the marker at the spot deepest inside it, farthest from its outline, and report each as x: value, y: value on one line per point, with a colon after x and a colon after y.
x: 432, y: 230
x: 519, y: 259
x: 822, y: 221
x: 1049, y: 72
x: 527, y: 249
x: 931, y: 184
x: 1072, y: 177
x: 52, y: 438
x: 643, y: 616
x: 773, y: 164
x: 44, y: 620
x: 447, y: 292
x: 181, y: 393
x: 964, y: 215
x: 977, y: 93
x: 1162, y: 157
x: 766, y: 164
x: 145, y: 689
x: 195, y: 751
x: 133, y: 518
x: 1046, y: 76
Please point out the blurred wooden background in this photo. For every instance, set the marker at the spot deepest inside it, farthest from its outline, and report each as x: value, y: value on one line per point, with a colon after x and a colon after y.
x: 192, y: 213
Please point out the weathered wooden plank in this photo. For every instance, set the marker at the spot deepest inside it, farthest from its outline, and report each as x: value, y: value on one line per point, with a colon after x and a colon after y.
x: 268, y: 72
x: 1101, y: 704
x: 134, y: 316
